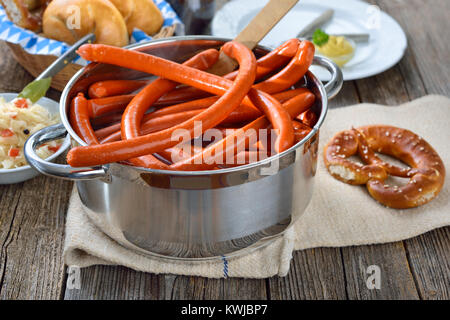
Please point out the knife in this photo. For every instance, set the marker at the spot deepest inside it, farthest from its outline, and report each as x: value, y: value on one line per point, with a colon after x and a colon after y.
x: 38, y: 88
x: 326, y: 16
x: 357, y: 37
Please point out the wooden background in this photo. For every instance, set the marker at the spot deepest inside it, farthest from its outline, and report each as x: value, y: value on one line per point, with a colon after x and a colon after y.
x: 32, y: 214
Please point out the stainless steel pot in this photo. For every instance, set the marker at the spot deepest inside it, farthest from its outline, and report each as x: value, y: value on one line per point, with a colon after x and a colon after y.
x: 191, y: 215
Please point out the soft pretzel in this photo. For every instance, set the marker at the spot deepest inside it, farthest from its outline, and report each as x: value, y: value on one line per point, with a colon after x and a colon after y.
x: 426, y: 173
x: 25, y: 13
x: 98, y: 16
x: 141, y: 14
x: 35, y: 4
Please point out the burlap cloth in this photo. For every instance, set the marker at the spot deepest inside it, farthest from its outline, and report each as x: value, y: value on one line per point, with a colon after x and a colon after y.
x: 338, y: 215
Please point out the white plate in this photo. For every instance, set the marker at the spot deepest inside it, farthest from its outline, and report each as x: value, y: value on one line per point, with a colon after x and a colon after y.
x: 16, y: 175
x: 387, y: 40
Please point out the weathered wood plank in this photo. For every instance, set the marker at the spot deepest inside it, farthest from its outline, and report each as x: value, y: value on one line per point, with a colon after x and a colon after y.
x: 385, y: 88
x: 396, y: 279
x: 398, y: 85
x: 116, y: 283
x: 33, y: 222
x: 421, y: 74
x: 429, y: 259
x: 314, y: 274
x: 199, y: 288
x: 193, y: 288
x: 31, y: 219
x: 302, y: 267
x: 245, y: 289
x: 426, y: 24
x: 346, y: 97
x: 12, y: 76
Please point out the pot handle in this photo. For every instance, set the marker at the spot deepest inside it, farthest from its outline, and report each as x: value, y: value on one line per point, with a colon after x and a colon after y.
x: 55, y: 132
x: 337, y: 79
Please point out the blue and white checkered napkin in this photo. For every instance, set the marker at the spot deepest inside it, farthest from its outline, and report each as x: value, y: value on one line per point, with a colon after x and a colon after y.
x: 34, y: 43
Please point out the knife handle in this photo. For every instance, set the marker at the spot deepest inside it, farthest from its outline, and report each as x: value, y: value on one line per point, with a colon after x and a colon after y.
x: 253, y: 33
x: 264, y: 21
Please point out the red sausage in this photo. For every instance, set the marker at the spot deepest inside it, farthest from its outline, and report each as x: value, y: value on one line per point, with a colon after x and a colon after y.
x: 292, y: 73
x: 161, y: 122
x: 300, y: 130
x: 100, y: 106
x: 108, y: 88
x: 309, y: 118
x: 79, y: 119
x: 135, y: 147
x: 273, y: 60
x: 134, y: 113
x: 207, y: 102
x: 217, y: 152
x: 266, y: 64
x: 152, y: 125
x: 202, y: 80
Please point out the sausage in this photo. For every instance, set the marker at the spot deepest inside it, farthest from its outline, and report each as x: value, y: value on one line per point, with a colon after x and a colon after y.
x: 288, y: 94
x: 300, y: 130
x: 178, y: 152
x: 207, y: 102
x: 273, y: 60
x: 108, y: 88
x: 184, y: 106
x: 277, y: 115
x: 135, y: 111
x: 135, y: 147
x: 201, y: 80
x: 300, y: 103
x: 181, y: 95
x: 106, y: 120
x: 309, y: 118
x: 217, y: 152
x: 241, y: 113
x: 151, y: 125
x: 100, y: 106
x: 246, y: 157
x: 161, y: 122
x: 102, y: 133
x: 266, y: 64
x: 292, y: 73
x: 79, y: 119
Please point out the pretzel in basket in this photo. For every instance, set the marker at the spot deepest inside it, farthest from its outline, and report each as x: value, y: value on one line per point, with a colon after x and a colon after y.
x: 25, y: 13
x: 426, y: 172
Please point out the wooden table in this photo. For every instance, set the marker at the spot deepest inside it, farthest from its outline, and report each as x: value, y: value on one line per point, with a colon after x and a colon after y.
x: 32, y: 214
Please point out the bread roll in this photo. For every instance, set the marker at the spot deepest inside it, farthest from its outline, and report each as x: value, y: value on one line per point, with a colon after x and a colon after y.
x: 141, y: 14
x: 70, y: 20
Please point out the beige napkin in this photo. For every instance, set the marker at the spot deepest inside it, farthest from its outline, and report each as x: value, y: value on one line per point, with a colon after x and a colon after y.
x: 339, y: 214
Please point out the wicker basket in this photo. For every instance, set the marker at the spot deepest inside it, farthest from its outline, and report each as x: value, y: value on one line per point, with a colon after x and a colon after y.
x: 35, y: 63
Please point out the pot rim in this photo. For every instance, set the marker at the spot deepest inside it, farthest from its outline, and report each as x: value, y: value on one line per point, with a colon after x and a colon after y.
x: 324, y: 101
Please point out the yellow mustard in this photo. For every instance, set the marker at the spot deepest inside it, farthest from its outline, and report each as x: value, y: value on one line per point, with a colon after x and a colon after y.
x: 339, y: 49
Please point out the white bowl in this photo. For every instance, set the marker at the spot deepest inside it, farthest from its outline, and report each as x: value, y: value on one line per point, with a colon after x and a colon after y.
x: 16, y: 175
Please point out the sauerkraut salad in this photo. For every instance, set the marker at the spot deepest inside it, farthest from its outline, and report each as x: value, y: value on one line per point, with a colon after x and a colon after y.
x: 18, y: 120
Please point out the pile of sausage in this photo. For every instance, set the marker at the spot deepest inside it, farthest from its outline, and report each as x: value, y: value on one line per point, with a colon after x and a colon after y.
x: 120, y: 125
